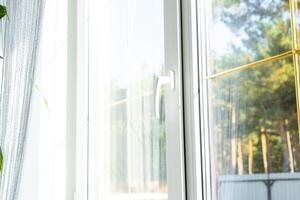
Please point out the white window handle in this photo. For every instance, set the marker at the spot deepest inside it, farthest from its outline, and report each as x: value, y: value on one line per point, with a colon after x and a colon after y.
x: 163, y: 80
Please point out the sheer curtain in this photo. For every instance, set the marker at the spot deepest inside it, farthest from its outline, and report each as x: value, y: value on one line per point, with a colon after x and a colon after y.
x: 22, y: 30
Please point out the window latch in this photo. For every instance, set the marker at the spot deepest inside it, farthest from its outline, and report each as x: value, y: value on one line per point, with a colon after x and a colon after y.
x: 161, y: 81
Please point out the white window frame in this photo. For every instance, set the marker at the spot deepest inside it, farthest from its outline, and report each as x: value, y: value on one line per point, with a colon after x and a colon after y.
x: 82, y: 98
x: 192, y: 95
x: 78, y: 84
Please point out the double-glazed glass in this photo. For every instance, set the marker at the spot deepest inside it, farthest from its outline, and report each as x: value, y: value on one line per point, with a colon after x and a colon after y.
x: 127, y: 142
x: 136, y: 152
x: 253, y: 134
x: 254, y: 138
x: 243, y: 31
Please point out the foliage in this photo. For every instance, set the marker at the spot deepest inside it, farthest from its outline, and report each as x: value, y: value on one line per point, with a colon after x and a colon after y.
x: 3, y: 11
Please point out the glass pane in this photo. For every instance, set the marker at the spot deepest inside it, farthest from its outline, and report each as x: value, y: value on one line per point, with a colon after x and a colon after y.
x: 297, y: 22
x: 131, y: 143
x: 254, y: 139
x: 243, y: 31
x: 137, y: 161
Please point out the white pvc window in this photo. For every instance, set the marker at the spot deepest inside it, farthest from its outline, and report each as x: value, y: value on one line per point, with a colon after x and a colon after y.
x: 131, y: 145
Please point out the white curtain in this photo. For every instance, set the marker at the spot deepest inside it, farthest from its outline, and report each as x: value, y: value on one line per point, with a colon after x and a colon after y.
x: 22, y: 31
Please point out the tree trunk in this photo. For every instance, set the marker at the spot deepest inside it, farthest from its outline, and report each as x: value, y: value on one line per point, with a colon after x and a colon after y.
x: 291, y: 159
x: 250, y: 156
x: 233, y: 155
x: 264, y: 145
x: 240, y: 163
x: 296, y: 150
x: 285, y: 152
x: 292, y: 147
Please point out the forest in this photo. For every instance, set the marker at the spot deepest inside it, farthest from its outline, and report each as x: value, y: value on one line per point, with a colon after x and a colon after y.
x: 253, y: 120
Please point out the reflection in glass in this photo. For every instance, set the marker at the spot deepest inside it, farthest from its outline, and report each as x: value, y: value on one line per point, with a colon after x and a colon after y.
x: 243, y: 31
x: 254, y: 136
x: 129, y: 143
x: 137, y: 158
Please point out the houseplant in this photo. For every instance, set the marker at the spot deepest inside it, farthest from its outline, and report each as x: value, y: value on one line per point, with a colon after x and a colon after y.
x: 3, y: 13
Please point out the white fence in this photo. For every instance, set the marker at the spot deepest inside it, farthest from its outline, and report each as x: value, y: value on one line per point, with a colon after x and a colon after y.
x: 137, y: 196
x: 281, y: 186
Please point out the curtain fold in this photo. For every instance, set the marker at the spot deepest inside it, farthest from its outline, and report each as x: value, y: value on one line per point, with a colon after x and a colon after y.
x: 22, y: 33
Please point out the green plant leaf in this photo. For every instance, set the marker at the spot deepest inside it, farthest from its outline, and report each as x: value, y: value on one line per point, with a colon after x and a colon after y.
x: 1, y: 160
x: 3, y: 11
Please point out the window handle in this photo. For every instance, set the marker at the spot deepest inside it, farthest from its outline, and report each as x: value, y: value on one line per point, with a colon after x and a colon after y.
x: 163, y: 80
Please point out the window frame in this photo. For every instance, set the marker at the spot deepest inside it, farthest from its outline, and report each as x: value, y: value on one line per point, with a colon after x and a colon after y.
x: 79, y: 17
x: 190, y: 38
x: 193, y: 41
x: 192, y: 95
